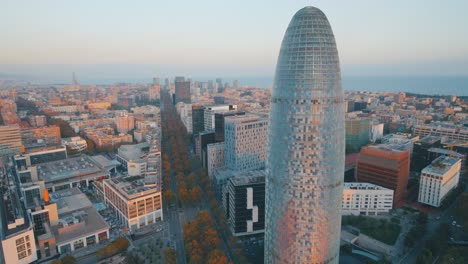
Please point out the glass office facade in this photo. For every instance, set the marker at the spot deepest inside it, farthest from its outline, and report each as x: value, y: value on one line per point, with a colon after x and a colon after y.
x: 306, y: 149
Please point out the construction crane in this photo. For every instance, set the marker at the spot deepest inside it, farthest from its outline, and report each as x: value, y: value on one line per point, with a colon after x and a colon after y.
x: 450, y: 146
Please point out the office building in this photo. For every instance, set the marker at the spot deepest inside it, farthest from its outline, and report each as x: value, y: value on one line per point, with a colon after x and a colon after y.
x: 10, y: 140
x: 357, y: 133
x: 215, y: 157
x: 209, y: 114
x: 135, y: 204
x: 16, y: 232
x: 438, y: 179
x: 406, y: 141
x: 133, y: 158
x: 38, y: 156
x: 219, y: 123
x: 182, y: 90
x: 75, y: 144
x: 386, y: 166
x: 421, y: 157
x: 198, y: 119
x: 66, y: 173
x: 306, y: 152
x: 204, y: 138
x: 376, y: 131
x: 78, y: 224
x: 244, y: 203
x: 360, y: 198
x: 434, y: 153
x: 245, y: 140
x: 455, y: 132
x: 185, y: 113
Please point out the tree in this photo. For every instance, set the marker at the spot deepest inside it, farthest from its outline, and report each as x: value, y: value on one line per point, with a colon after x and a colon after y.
x: 195, y: 251
x: 211, y: 239
x: 169, y: 196
x: 119, y: 245
x: 195, y: 194
x: 68, y: 260
x: 217, y: 257
x: 65, y: 128
x: 183, y: 194
x: 170, y: 256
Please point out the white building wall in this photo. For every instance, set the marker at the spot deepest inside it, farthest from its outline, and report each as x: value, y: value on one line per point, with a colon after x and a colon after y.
x: 376, y: 132
x: 20, y: 248
x: 245, y: 140
x: 210, y: 115
x: 433, y: 186
x: 366, y: 199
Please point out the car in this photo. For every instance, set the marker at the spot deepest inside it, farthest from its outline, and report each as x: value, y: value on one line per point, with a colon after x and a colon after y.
x: 459, y: 226
x: 437, y: 218
x: 454, y: 223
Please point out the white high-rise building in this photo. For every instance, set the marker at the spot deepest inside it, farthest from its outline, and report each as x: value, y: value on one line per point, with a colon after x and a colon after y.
x: 210, y: 111
x: 438, y: 179
x: 245, y: 138
x: 185, y: 112
x: 361, y: 198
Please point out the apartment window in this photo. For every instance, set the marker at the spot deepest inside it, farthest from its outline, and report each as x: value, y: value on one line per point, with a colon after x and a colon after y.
x: 19, y: 241
x: 22, y: 255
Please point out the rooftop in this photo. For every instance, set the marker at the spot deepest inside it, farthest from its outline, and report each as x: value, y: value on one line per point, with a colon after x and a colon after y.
x: 61, y: 170
x: 131, y: 187
x: 70, y: 200
x: 249, y: 177
x: 429, y: 139
x: 14, y: 219
x: 240, y: 119
x: 79, y: 224
x: 104, y: 162
x: 446, y: 152
x: 363, y: 186
x: 133, y: 152
x: 441, y: 165
x: 389, y: 147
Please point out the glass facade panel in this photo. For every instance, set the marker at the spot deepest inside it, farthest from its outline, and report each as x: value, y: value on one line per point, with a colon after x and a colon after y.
x: 306, y: 147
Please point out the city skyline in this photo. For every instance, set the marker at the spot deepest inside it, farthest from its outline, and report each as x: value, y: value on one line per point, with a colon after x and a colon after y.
x: 398, y: 38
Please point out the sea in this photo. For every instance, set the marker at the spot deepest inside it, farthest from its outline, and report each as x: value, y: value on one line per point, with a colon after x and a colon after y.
x: 429, y: 85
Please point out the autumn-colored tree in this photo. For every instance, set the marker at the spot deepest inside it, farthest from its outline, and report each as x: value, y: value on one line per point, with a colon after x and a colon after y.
x: 211, y: 239
x: 195, y: 194
x: 169, y: 196
x: 184, y: 194
x: 166, y: 166
x: 191, y: 180
x: 196, y: 252
x: 216, y: 256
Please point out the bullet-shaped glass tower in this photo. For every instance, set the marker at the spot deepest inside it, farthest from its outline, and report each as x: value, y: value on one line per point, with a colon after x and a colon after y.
x: 306, y: 148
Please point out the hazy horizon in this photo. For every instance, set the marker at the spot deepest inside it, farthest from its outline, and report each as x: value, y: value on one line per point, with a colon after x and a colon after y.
x: 210, y: 38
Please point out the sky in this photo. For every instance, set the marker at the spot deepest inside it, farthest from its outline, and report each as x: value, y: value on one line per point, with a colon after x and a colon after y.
x: 138, y: 39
